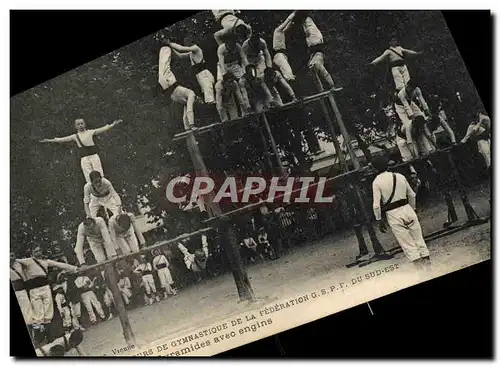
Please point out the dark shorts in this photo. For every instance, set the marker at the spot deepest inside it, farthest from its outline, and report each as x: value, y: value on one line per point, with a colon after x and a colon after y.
x: 418, y: 125
x: 316, y: 48
x: 169, y: 91
x: 199, y: 67
x: 397, y: 63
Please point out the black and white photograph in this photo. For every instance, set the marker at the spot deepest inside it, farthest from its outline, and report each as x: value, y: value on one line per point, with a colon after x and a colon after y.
x: 241, y: 173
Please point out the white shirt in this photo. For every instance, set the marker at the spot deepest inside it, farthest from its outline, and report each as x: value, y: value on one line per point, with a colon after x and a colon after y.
x: 279, y: 41
x: 86, y: 137
x: 143, y: 267
x: 166, y: 77
x: 382, y: 189
x: 89, y: 190
x: 409, y: 109
x: 117, y: 232
x: 412, y: 108
x: 394, y: 53
x: 18, y: 274
x: 83, y: 282
x: 250, y: 243
x: 100, y: 232
x: 60, y: 301
x: 33, y: 270
x: 160, y: 259
x: 279, y: 33
x: 254, y: 55
x: 313, y: 34
x: 124, y: 283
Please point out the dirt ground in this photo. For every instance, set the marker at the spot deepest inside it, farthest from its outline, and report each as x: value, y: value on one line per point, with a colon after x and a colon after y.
x: 300, y: 270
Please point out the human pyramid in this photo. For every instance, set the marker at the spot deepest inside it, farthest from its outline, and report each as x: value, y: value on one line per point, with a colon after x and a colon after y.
x: 415, y: 132
x: 248, y: 81
x: 117, y: 237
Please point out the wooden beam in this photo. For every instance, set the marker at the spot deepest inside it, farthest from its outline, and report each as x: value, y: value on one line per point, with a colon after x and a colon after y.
x: 111, y: 276
x: 471, y: 214
x: 205, y: 129
x: 255, y: 205
x: 421, y: 158
x: 143, y: 250
x: 338, y: 150
x: 231, y: 245
x: 344, y: 132
x: 274, y: 147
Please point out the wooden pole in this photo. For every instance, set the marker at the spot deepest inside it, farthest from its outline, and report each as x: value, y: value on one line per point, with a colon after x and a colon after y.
x: 448, y: 198
x: 218, y: 125
x: 245, y: 291
x: 200, y: 170
x: 452, y: 213
x: 265, y: 149
x: 363, y: 249
x: 253, y: 206
x: 344, y: 167
x: 112, y: 280
x: 471, y: 214
x: 231, y: 246
x: 273, y: 145
x: 377, y: 246
x: 331, y: 126
x: 143, y: 250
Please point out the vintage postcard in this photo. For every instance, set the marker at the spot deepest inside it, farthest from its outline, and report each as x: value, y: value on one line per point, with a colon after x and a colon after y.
x: 241, y: 173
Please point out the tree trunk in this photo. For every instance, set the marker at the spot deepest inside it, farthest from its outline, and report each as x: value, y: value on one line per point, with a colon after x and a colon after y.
x: 111, y: 277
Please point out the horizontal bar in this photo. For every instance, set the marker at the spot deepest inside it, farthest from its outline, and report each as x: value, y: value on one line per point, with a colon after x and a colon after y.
x: 301, y: 102
x: 205, y: 129
x: 422, y: 158
x: 252, y: 206
x: 210, y: 127
x: 143, y: 250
